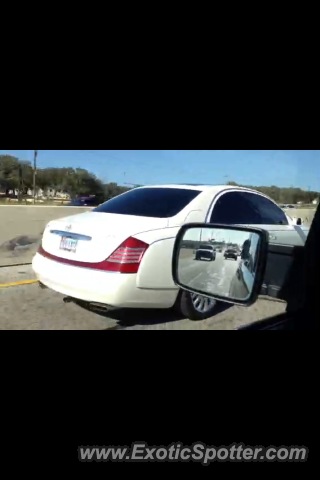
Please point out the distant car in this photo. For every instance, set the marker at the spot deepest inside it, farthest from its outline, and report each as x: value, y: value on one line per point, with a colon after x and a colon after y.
x: 205, y: 251
x: 231, y: 253
x: 85, y: 202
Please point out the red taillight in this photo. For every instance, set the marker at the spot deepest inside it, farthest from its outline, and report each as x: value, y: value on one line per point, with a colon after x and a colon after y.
x: 126, y: 259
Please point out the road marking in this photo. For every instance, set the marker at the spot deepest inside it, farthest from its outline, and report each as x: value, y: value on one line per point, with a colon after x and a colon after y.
x: 15, y: 265
x: 16, y: 284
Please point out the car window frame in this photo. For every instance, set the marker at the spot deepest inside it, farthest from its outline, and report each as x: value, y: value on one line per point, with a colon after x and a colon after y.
x: 235, y: 190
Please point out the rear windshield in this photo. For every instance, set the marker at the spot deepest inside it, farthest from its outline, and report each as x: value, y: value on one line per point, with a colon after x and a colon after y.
x: 206, y: 247
x: 150, y: 202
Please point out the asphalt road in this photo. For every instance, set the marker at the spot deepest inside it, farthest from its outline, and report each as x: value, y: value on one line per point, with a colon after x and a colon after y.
x: 27, y: 307
x: 206, y: 276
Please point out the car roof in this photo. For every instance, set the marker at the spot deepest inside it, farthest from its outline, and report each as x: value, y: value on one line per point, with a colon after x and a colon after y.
x: 201, y: 187
x: 211, y: 189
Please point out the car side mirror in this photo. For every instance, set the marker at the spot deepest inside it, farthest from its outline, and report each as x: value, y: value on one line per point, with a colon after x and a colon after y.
x: 206, y: 261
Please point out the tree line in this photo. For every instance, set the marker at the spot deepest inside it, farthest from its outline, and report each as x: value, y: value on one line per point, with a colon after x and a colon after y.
x: 18, y: 175
x: 284, y: 195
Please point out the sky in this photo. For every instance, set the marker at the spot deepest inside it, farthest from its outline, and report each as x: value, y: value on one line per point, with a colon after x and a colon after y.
x: 206, y: 234
x: 284, y: 168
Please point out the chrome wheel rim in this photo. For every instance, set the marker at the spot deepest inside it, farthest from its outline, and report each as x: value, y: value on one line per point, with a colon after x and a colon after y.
x: 202, y: 304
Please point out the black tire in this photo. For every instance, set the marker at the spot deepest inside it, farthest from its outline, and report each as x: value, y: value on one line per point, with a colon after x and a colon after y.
x: 185, y: 307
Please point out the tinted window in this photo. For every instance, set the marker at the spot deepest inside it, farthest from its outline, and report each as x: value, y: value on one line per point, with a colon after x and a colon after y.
x: 206, y: 247
x: 150, y: 202
x: 247, y: 208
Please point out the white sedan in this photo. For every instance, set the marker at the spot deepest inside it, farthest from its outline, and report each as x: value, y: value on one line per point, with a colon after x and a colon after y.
x: 120, y: 254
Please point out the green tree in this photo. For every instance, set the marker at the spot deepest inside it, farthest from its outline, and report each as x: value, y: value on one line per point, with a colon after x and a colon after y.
x: 9, y: 172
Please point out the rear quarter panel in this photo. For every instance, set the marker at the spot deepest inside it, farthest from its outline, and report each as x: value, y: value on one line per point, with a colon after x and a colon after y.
x: 155, y: 271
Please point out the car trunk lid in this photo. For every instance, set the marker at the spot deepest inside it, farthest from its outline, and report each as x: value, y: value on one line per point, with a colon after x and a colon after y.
x: 92, y: 237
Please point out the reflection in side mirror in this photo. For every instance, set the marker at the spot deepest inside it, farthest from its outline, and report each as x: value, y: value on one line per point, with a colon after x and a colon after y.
x: 223, y: 262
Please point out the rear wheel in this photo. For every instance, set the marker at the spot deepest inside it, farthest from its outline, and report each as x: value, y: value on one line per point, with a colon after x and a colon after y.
x: 194, y: 306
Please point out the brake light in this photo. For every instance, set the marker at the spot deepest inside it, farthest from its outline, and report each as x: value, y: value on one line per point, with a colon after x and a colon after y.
x: 126, y: 259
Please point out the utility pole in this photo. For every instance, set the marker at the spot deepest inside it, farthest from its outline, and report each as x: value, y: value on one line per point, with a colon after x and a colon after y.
x: 34, y: 175
x: 19, y: 181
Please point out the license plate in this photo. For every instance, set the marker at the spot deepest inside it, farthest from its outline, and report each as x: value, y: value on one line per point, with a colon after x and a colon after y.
x: 68, y: 244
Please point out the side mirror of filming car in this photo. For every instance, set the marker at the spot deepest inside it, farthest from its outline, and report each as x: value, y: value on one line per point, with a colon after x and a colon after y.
x: 226, y: 263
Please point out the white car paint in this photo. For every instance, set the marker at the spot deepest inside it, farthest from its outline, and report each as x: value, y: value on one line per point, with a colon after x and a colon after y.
x: 102, y: 233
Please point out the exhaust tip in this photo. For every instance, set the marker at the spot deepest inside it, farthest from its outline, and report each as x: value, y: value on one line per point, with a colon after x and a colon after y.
x: 100, y: 307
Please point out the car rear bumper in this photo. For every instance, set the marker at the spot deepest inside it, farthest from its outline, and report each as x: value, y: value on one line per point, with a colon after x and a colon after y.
x: 113, y: 289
